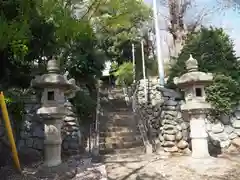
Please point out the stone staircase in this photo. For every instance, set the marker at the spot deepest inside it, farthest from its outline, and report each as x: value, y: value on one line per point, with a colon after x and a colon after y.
x: 118, y: 129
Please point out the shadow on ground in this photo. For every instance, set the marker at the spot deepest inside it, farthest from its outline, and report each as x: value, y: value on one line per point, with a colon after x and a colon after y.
x: 174, y: 168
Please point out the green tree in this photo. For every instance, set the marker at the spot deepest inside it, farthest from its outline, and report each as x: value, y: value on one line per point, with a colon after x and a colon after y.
x: 124, y: 74
x: 34, y: 31
x: 214, y: 51
x: 118, y: 23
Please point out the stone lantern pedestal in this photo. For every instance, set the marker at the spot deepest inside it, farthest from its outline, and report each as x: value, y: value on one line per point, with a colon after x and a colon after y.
x: 52, y: 141
x: 54, y: 86
x: 198, y: 133
x: 195, y: 108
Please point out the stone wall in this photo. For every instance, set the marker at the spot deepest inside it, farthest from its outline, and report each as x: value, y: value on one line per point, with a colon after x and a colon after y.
x: 32, y: 129
x: 167, y: 129
x: 31, y: 139
x: 71, y: 134
x: 224, y: 132
x: 162, y: 115
x: 174, y: 131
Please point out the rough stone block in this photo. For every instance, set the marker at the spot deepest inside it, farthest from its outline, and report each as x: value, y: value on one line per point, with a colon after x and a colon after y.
x: 228, y: 129
x: 169, y: 137
x: 38, y: 132
x: 168, y: 144
x: 182, y: 144
x: 21, y: 144
x: 171, y: 149
x: 29, y: 142
x: 237, y: 131
x: 73, y: 145
x: 65, y: 145
x: 217, y: 128
x: 236, y: 124
x: 237, y: 114
x: 24, y: 134
x: 170, y: 103
x: 232, y: 136
x: 185, y: 125
x: 179, y: 136
x: 38, y: 144
x: 219, y: 137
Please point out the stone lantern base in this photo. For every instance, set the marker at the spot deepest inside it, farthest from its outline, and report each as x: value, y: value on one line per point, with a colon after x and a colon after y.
x: 53, y: 140
x: 52, y: 154
x: 199, y: 136
x: 200, y: 148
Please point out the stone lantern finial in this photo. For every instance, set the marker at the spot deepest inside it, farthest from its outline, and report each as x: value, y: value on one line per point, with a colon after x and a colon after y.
x: 191, y: 64
x: 53, y: 66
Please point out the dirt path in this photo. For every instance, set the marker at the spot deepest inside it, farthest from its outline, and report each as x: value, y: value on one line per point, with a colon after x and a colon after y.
x: 134, y: 166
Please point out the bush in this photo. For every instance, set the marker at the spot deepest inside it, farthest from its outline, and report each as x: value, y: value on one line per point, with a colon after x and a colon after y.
x: 223, y: 93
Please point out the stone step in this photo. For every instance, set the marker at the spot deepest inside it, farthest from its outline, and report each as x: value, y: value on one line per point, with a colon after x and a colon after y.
x: 119, y: 133
x: 135, y: 151
x: 125, y: 137
x: 116, y: 126
x: 122, y: 136
x: 123, y: 145
x: 120, y: 128
x: 120, y: 139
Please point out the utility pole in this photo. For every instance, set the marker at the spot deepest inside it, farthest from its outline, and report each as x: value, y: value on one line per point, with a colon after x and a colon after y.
x: 143, y: 68
x: 133, y: 59
x: 158, y: 44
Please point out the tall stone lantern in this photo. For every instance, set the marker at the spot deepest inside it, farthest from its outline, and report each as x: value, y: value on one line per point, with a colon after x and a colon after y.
x: 195, y: 108
x: 54, y: 86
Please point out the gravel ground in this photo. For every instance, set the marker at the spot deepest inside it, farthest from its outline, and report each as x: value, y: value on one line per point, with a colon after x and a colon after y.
x: 133, y: 166
x: 157, y: 167
x: 74, y: 168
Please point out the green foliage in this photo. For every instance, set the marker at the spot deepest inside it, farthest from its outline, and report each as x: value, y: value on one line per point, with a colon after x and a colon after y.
x: 31, y: 30
x: 214, y: 51
x: 118, y: 23
x: 85, y: 106
x: 114, y: 67
x: 224, y: 93
x: 124, y: 74
x: 15, y: 107
x: 81, y: 59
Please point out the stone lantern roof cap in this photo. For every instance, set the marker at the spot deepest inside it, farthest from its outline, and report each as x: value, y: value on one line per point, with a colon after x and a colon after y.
x: 193, y: 76
x: 191, y: 64
x: 53, y: 79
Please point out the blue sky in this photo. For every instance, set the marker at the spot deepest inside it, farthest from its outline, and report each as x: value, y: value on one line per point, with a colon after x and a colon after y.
x: 228, y: 18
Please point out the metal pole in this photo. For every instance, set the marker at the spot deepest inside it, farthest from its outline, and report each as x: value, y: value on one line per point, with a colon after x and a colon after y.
x: 158, y: 44
x: 97, y: 138
x: 9, y: 131
x: 144, y: 70
x: 133, y: 59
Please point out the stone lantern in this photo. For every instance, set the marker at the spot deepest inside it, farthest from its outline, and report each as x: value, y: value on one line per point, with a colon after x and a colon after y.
x: 196, y: 108
x: 52, y: 111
